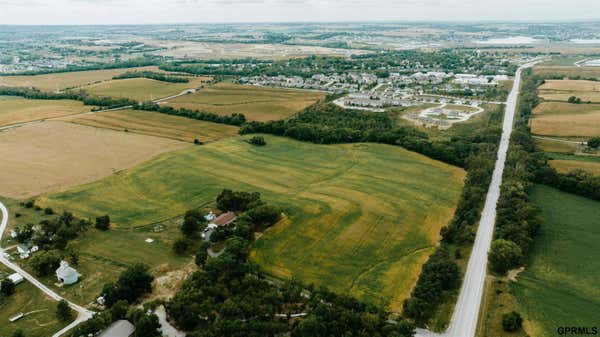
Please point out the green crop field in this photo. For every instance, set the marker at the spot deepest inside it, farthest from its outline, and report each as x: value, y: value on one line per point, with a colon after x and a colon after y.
x: 15, y: 110
x: 40, y: 311
x: 142, y: 89
x: 560, y: 285
x: 256, y: 103
x: 360, y: 218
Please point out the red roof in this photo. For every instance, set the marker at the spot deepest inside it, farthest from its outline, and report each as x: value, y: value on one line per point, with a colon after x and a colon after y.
x: 224, y: 219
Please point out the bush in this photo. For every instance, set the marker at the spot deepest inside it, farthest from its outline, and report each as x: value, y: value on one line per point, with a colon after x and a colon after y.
x: 63, y: 312
x: 48, y: 211
x: 511, y: 321
x: 103, y: 222
x: 504, y: 255
x: 593, y: 142
x: 29, y: 204
x: 257, y: 140
x: 7, y: 287
x: 181, y: 246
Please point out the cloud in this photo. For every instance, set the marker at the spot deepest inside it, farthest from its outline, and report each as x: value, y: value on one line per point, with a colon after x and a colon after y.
x: 205, y: 11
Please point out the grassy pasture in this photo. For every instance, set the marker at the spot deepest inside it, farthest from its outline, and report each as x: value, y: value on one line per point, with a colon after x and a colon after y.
x: 156, y: 124
x: 59, y: 81
x: 142, y: 89
x: 15, y: 110
x: 360, y: 218
x: 52, y: 155
x: 555, y: 146
x: 40, y: 319
x: 559, y: 287
x: 256, y: 103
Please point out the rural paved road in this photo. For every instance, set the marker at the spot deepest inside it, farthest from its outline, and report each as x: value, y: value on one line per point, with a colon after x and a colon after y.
x: 82, y: 313
x: 466, y: 312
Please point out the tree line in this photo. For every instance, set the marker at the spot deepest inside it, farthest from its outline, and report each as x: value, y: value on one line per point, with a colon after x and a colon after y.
x: 78, y: 95
x: 236, y: 119
x: 138, y: 62
x: 153, y: 76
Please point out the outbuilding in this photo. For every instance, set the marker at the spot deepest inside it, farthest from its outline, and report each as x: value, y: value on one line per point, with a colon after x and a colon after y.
x: 120, y: 328
x: 66, y: 274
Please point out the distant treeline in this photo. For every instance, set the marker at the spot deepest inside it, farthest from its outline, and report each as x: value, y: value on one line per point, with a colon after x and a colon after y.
x: 139, y: 62
x: 153, y: 76
x: 233, y: 119
x: 80, y: 95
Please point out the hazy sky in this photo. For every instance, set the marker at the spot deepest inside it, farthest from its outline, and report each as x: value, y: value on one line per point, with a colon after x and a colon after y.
x: 201, y: 11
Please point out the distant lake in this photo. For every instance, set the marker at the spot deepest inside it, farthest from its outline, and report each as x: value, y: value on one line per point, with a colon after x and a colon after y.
x: 509, y: 40
x: 585, y: 41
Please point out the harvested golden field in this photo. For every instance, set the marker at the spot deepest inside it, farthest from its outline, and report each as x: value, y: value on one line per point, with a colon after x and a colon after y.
x: 58, y: 81
x: 562, y: 108
x: 572, y: 125
x: 142, y: 89
x: 561, y: 90
x: 256, y: 103
x: 53, y: 155
x: 156, y: 124
x: 565, y: 166
x: 15, y: 110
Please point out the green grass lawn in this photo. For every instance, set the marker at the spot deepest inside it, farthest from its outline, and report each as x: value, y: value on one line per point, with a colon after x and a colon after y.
x: 40, y: 311
x: 360, y: 218
x: 141, y: 89
x: 560, y: 284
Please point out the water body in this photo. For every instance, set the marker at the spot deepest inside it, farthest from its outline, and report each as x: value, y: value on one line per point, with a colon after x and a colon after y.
x: 509, y: 40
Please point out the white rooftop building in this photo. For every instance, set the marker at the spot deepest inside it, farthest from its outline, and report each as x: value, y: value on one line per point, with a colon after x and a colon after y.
x: 66, y: 274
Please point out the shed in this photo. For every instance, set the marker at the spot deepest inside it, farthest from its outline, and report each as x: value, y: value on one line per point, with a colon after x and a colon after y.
x: 224, y: 219
x: 16, y: 278
x: 120, y: 328
x: 65, y: 274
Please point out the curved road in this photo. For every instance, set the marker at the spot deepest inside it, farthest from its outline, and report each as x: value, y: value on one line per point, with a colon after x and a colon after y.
x: 466, y: 312
x: 82, y: 313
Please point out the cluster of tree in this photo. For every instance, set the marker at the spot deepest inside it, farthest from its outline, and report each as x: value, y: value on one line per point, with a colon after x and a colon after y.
x: 512, y: 321
x: 146, y: 325
x: 52, y: 233
x: 575, y: 100
x: 440, y: 273
x: 133, y: 282
x: 63, y: 311
x: 233, y: 119
x: 78, y: 95
x: 576, y: 181
x: 7, y: 287
x: 257, y: 140
x: 153, y: 76
x: 593, y: 143
x: 132, y: 63
x: 229, y: 298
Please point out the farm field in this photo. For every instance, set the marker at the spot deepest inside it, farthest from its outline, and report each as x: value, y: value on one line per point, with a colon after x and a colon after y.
x: 256, y: 103
x: 47, y: 156
x: 59, y: 81
x: 561, y: 90
x: 14, y: 110
x: 563, y: 268
x: 142, y: 89
x: 581, y: 125
x: 565, y: 166
x: 40, y: 320
x: 568, y: 71
x: 361, y: 218
x: 156, y: 124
